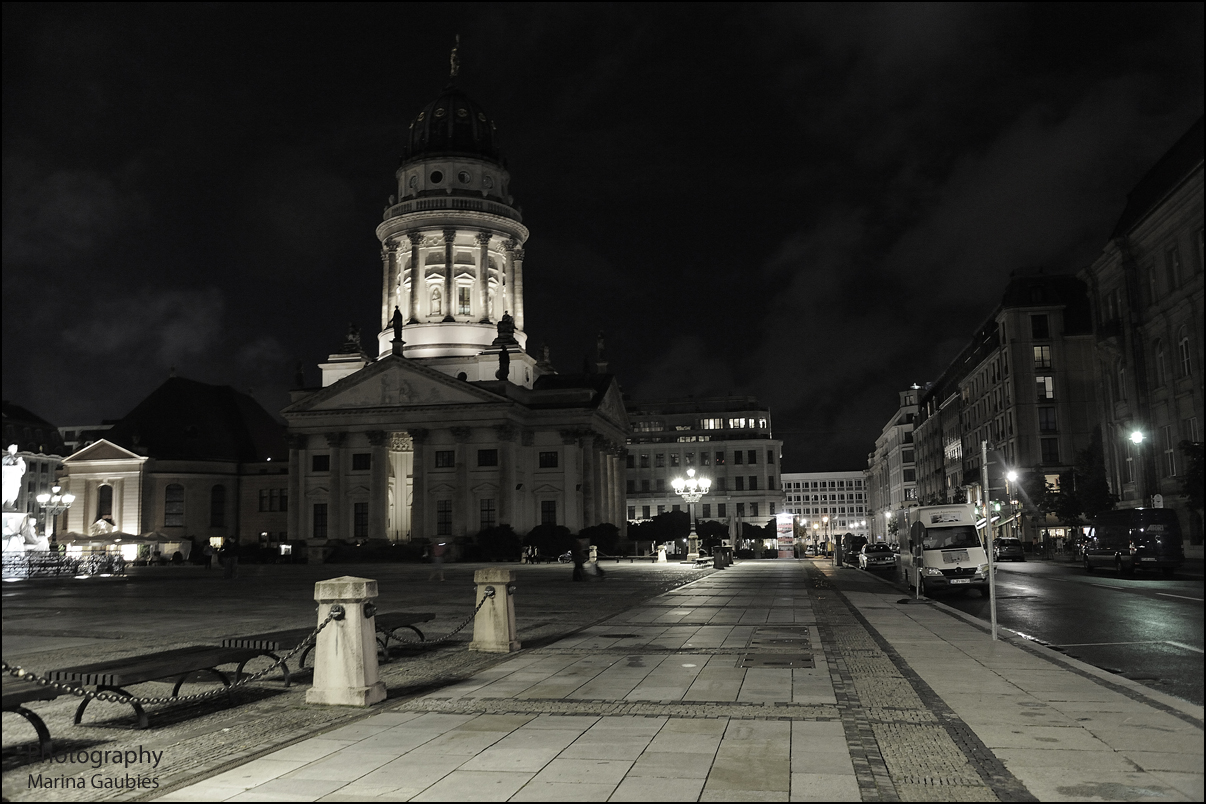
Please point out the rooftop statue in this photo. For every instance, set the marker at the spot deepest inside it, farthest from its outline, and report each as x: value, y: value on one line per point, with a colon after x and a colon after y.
x: 14, y: 470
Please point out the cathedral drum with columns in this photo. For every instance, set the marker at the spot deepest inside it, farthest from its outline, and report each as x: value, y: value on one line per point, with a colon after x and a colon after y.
x: 452, y: 426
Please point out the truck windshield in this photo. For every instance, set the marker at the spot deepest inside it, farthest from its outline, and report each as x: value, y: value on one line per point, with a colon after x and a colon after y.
x: 949, y: 538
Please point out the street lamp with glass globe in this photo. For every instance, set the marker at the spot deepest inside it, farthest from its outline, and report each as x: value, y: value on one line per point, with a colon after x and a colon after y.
x: 691, y: 490
x: 55, y: 503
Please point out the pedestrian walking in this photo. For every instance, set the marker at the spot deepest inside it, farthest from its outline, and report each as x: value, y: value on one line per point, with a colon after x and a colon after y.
x: 437, y: 561
x: 579, y: 550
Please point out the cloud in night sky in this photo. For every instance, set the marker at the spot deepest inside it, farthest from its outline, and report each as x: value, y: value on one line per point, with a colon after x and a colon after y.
x: 815, y: 204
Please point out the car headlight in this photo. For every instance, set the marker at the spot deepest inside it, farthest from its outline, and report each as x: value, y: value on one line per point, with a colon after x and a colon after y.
x: 982, y: 569
x: 932, y: 571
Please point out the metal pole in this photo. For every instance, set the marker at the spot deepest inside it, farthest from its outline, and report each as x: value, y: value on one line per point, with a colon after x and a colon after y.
x: 992, y: 575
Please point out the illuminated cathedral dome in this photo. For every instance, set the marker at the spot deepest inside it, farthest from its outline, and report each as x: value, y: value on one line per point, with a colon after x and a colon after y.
x: 452, y: 124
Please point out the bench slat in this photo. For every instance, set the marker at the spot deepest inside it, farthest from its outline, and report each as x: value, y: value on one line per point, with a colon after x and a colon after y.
x: 137, y: 669
x: 17, y: 692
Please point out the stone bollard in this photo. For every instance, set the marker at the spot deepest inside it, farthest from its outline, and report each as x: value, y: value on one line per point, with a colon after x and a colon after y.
x: 345, y: 656
x: 494, y: 625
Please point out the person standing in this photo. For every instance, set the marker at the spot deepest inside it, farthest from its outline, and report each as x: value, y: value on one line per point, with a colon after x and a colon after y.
x: 231, y: 563
x: 579, y: 549
x: 208, y: 552
x: 437, y: 561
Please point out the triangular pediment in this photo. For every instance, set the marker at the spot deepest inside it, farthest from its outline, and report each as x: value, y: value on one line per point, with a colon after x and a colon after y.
x: 103, y: 450
x: 612, y: 406
x: 390, y: 382
x: 545, y: 488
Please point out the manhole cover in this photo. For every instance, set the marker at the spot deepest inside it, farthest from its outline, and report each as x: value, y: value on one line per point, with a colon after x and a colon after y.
x: 788, y: 660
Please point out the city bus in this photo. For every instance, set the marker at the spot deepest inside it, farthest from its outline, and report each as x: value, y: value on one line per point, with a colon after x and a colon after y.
x: 943, y: 549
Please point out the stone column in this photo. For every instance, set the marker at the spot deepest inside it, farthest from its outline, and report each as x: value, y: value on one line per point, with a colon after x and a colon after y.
x: 418, y: 508
x: 335, y: 525
x: 505, y: 434
x: 378, y: 483
x: 590, y: 507
x: 461, y: 499
x: 416, y: 276
x: 297, y: 445
x: 518, y: 314
x: 615, y: 499
x: 509, y: 277
x: 345, y: 654
x: 449, y: 267
x: 387, y: 275
x: 483, y: 276
x: 572, y: 477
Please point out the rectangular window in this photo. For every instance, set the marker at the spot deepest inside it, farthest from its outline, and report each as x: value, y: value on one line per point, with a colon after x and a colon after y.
x: 1170, y: 463
x: 632, y: 512
x: 462, y: 297
x: 445, y: 458
x: 265, y: 499
x: 720, y: 459
x: 751, y: 457
x: 548, y: 460
x: 910, y: 475
x: 738, y: 457
x: 753, y: 509
x: 644, y: 512
x: 661, y: 484
x: 487, y: 457
x: 1050, y: 450
x: 632, y: 487
x: 1039, y: 329
x: 644, y: 460
x: 1042, y: 357
x: 320, y: 520
x: 711, y: 424
x: 770, y: 482
x: 489, y: 514
x: 721, y: 510
x: 631, y: 461
x: 707, y: 510
x: 360, y: 520
x: 361, y: 461
x: 645, y: 485
x: 770, y: 457
x: 1046, y: 420
x: 753, y: 482
x: 1045, y: 386
x: 443, y: 517
x: 659, y: 460
x: 705, y: 459
x: 739, y: 483
x: 674, y: 456
x: 689, y: 459
x: 548, y: 512
x: 284, y: 495
x: 217, y: 507
x: 661, y: 509
x: 676, y: 508
x: 1172, y: 267
x: 906, y: 456
x: 320, y: 463
x: 740, y: 509
x: 173, y: 506
x: 722, y: 484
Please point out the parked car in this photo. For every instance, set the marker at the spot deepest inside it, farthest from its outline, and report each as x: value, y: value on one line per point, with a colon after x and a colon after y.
x: 876, y: 557
x: 851, y: 547
x: 1008, y: 549
x: 1135, y: 538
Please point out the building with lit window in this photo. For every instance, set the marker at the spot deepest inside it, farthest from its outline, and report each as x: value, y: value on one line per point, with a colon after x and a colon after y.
x: 828, y: 503
x: 1146, y: 292
x: 726, y: 439
x: 445, y: 425
x: 891, y: 476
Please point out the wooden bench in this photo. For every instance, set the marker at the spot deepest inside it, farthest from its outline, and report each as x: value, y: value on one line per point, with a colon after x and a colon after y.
x: 114, y: 675
x: 18, y: 692
x: 272, y: 643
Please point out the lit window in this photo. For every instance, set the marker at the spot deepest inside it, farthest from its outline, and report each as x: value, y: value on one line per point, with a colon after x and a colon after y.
x: 674, y: 457
x: 644, y: 460
x: 1042, y: 357
x: 1045, y: 387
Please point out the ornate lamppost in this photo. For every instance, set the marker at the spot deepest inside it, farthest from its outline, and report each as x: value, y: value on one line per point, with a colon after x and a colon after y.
x: 691, y: 490
x: 55, y: 503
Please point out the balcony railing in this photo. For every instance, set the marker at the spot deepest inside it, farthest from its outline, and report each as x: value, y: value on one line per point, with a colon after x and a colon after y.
x: 452, y: 202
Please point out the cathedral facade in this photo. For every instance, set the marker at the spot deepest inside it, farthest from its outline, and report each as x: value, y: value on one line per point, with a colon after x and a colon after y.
x: 451, y: 426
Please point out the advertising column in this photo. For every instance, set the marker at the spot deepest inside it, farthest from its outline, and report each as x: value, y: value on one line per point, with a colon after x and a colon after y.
x: 785, y: 535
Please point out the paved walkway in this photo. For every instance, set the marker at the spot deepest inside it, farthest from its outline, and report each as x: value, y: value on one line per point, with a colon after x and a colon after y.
x: 708, y: 693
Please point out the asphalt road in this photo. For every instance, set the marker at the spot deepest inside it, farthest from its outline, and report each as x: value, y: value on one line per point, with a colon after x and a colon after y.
x: 1147, y: 628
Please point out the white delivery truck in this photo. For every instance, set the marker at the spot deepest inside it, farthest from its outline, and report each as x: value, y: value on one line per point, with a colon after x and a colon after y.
x: 943, y: 547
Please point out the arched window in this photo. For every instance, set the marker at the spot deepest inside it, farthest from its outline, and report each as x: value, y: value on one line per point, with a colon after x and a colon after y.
x: 173, y: 506
x: 104, y: 503
x: 217, y: 507
x: 1183, y: 346
x: 1161, y: 368
x: 437, y: 307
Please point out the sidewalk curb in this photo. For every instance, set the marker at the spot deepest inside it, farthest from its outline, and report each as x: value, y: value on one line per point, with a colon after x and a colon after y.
x: 1184, y: 709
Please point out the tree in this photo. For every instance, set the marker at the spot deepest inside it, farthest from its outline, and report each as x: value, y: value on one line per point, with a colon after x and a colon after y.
x: 550, y: 540
x: 605, y: 536
x: 499, y: 543
x: 712, y: 533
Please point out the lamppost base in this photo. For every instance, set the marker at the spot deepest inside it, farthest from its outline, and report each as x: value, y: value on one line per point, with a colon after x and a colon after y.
x: 692, y: 547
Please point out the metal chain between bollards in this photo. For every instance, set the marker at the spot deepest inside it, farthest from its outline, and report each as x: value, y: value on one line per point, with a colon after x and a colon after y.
x: 489, y: 594
x: 80, y: 692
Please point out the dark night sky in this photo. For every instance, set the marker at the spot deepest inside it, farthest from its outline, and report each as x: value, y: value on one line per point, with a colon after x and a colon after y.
x: 812, y: 204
